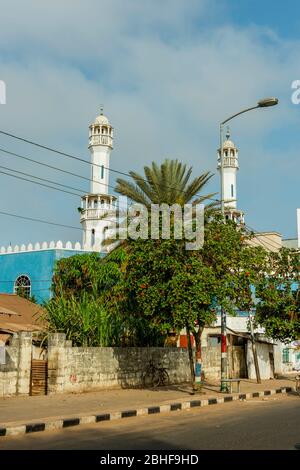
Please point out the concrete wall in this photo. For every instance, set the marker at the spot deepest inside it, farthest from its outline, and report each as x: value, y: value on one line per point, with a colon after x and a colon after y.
x: 263, y: 350
x: 74, y: 369
x: 211, y: 362
x: 15, y: 373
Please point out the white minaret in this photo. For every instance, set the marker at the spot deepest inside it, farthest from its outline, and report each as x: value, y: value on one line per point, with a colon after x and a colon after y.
x: 96, y: 204
x: 230, y: 168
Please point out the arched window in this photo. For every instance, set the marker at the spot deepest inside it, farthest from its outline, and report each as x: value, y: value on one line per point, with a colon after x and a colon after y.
x: 22, y: 286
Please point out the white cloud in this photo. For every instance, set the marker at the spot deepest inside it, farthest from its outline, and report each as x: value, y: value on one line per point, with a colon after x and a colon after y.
x: 166, y: 81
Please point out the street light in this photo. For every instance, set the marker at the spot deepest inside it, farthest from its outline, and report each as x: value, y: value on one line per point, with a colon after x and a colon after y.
x: 263, y: 103
x: 267, y: 102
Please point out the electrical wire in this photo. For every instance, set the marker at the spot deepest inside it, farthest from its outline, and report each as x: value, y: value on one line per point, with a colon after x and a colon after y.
x: 39, y: 184
x: 41, y: 179
x: 53, y: 167
x: 74, y: 157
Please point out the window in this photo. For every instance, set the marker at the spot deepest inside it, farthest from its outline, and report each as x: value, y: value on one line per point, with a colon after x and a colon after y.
x: 286, y: 355
x: 22, y: 286
x: 93, y: 237
x: 102, y: 172
x: 232, y: 190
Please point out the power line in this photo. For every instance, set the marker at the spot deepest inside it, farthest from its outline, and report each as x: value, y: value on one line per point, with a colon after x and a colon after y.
x: 41, y: 179
x: 272, y: 243
x: 76, y: 175
x: 40, y: 184
x: 32, y: 219
x: 74, y: 157
x: 53, y: 167
x: 51, y: 149
x: 31, y: 280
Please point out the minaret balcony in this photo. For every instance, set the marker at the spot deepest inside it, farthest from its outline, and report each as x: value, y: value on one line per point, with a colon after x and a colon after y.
x: 95, y: 214
x: 229, y: 162
x: 101, y: 140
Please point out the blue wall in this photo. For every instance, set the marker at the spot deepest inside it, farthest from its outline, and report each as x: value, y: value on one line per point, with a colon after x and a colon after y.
x: 37, y: 265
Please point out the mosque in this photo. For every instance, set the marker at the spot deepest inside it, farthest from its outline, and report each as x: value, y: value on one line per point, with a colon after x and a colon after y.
x: 30, y: 267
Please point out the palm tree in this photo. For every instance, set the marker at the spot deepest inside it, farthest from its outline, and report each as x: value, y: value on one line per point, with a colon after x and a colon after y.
x: 168, y: 183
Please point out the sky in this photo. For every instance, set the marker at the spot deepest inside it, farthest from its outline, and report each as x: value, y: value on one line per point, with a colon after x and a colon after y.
x: 167, y: 73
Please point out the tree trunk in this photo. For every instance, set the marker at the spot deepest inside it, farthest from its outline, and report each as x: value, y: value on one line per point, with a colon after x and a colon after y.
x: 188, y: 334
x: 256, y: 365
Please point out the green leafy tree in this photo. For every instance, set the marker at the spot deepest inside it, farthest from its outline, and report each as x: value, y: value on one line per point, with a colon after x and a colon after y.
x: 175, y: 288
x: 87, y: 273
x: 278, y: 307
x: 86, y: 305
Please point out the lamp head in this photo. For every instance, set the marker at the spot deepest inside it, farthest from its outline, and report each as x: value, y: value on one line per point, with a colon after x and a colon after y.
x: 264, y: 103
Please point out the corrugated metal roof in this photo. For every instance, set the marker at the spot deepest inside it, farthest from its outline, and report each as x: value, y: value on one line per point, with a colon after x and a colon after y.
x: 19, y: 314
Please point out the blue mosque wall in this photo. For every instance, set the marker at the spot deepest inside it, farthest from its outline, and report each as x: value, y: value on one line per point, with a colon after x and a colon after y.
x: 37, y: 265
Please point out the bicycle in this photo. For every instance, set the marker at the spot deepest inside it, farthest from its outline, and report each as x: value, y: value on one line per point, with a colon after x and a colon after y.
x: 154, y: 375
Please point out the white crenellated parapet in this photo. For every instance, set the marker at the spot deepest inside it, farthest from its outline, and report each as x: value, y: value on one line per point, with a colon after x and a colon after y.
x: 59, y: 245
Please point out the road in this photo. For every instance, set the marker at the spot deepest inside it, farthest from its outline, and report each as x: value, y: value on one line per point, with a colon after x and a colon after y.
x: 269, y: 423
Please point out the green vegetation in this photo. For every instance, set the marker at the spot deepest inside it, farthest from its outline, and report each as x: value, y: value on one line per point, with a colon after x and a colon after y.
x: 278, y: 309
x: 146, y: 290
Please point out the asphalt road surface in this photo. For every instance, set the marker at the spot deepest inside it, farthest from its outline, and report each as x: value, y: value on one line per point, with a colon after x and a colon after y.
x: 269, y: 423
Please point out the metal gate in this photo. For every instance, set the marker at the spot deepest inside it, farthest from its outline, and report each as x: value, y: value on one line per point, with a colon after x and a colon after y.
x: 39, y: 377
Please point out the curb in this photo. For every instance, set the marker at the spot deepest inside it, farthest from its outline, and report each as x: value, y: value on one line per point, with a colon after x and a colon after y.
x: 150, y: 410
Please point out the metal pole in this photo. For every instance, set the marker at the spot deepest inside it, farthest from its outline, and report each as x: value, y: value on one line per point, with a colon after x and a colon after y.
x: 224, y: 385
x: 222, y: 171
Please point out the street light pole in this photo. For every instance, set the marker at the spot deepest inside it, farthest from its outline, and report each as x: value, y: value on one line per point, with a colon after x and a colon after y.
x: 264, y: 103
